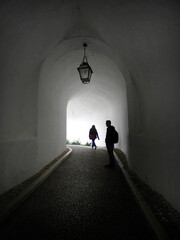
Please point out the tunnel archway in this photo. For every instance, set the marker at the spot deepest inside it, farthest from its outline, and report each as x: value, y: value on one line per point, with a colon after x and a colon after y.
x: 60, y: 85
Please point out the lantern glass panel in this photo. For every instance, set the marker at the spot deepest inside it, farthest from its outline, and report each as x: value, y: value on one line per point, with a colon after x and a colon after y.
x: 90, y: 73
x: 83, y: 72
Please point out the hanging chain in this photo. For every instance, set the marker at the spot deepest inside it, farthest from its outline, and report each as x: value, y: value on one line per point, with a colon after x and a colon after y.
x: 85, y: 57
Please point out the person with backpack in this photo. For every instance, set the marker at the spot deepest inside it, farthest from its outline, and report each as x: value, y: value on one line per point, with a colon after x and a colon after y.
x: 111, y: 138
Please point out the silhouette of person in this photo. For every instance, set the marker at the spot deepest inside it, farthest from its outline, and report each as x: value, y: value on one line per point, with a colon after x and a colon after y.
x: 109, y: 143
x: 93, y: 134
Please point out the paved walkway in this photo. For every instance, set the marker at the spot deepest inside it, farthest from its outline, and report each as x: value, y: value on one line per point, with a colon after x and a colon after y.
x: 80, y: 200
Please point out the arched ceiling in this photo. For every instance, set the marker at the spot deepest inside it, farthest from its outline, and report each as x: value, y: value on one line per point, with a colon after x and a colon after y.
x: 62, y: 64
x: 139, y: 31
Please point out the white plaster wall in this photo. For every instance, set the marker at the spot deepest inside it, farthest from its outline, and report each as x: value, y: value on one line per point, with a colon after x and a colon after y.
x: 155, y: 135
x: 18, y: 127
x: 51, y: 119
x: 153, y: 99
x: 18, y: 143
x: 18, y: 162
x: 24, y: 44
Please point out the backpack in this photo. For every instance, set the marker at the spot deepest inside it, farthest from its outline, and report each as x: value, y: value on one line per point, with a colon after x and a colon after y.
x: 115, y: 136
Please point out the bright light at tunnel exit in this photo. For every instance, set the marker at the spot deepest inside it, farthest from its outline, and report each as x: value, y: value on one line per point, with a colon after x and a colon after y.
x: 78, y: 130
x: 79, y: 122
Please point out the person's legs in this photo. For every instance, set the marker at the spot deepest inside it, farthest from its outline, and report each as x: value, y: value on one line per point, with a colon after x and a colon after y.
x: 93, y: 144
x: 110, y: 148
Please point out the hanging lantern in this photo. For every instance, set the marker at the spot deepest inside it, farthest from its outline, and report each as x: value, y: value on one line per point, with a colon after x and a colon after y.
x: 85, y: 71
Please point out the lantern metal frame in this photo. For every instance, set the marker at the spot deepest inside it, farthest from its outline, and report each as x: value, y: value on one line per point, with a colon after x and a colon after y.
x: 85, y: 68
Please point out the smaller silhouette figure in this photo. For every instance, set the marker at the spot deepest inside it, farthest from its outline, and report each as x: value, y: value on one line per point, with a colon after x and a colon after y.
x: 93, y: 134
